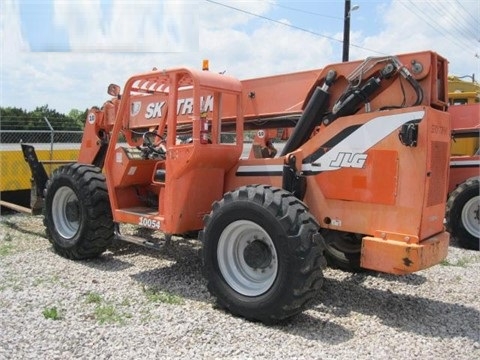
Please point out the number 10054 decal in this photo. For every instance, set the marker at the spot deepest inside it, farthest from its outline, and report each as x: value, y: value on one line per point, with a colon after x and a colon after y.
x: 150, y: 223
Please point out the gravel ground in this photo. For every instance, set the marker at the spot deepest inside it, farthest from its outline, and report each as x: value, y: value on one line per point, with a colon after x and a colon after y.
x: 135, y: 303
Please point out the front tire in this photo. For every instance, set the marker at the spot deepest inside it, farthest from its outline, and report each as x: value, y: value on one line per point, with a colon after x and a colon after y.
x: 463, y: 214
x: 262, y: 256
x: 77, y: 213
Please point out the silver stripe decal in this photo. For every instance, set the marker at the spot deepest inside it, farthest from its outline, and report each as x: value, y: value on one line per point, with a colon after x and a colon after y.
x: 259, y: 168
x: 351, y: 149
x: 361, y: 140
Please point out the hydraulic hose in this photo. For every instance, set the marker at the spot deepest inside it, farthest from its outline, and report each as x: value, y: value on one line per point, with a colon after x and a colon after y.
x: 416, y: 86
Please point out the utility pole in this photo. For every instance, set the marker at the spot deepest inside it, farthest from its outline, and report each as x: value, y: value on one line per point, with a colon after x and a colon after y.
x: 346, y: 29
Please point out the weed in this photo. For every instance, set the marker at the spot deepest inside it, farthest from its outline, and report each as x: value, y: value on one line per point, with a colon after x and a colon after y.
x: 14, y: 283
x: 51, y: 313
x: 7, y: 237
x: 6, y: 249
x: 461, y: 262
x: 146, y: 317
x: 107, y: 314
x: 93, y: 298
x: 163, y: 296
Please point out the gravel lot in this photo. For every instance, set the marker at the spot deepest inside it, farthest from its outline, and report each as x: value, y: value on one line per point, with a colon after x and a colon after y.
x: 135, y: 303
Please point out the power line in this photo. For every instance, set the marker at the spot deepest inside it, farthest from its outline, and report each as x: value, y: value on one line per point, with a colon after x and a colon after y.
x: 273, y: 20
x: 291, y: 26
x: 475, y: 19
x: 460, y: 41
x: 432, y: 22
x: 459, y: 26
x: 304, y: 11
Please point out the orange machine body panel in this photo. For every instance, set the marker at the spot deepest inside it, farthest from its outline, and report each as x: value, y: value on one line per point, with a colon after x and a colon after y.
x: 381, y: 197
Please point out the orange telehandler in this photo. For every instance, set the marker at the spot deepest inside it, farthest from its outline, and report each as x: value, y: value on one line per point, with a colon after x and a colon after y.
x: 359, y: 177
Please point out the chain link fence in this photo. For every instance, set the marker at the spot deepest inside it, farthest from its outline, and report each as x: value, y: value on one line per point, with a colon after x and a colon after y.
x: 52, y: 146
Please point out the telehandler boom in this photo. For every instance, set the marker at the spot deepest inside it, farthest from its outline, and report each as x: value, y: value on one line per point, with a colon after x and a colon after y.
x: 362, y: 178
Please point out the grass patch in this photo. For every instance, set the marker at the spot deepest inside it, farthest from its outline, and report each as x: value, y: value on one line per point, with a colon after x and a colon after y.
x: 461, y: 262
x: 6, y: 245
x: 104, y: 312
x: 163, y: 297
x: 449, y: 263
x: 51, y: 313
x: 6, y: 249
x: 107, y: 314
x: 93, y: 298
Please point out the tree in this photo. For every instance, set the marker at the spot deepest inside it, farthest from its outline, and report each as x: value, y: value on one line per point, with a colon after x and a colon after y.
x: 78, y: 117
x: 11, y: 118
x: 36, y: 124
x: 57, y: 120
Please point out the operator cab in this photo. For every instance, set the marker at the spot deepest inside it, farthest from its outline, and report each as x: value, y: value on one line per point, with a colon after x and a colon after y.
x: 151, y: 164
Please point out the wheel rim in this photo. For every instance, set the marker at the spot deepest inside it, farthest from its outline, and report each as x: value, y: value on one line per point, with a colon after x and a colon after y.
x: 471, y: 216
x: 66, y: 212
x: 247, y: 258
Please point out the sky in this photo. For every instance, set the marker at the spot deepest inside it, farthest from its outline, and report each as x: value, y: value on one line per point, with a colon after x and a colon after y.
x: 64, y: 53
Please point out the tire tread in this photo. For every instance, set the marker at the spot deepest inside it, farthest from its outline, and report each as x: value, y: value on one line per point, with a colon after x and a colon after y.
x: 307, y: 254
x: 455, y: 203
x: 97, y: 232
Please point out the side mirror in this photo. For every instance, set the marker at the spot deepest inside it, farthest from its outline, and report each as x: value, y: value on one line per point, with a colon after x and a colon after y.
x: 113, y: 90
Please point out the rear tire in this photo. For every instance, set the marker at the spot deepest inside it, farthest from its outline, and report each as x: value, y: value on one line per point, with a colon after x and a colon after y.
x: 77, y: 213
x: 261, y: 258
x: 343, y: 250
x: 463, y: 214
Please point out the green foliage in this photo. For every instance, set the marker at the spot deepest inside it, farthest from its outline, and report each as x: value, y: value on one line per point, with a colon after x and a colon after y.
x: 461, y: 262
x: 12, y: 118
x: 107, y: 314
x: 104, y: 312
x: 6, y: 245
x: 51, y: 313
x: 93, y: 298
x: 78, y: 117
x: 9, y: 117
x: 163, y: 297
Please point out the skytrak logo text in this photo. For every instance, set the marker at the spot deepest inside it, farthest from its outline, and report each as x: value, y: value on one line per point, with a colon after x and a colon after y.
x: 184, y: 107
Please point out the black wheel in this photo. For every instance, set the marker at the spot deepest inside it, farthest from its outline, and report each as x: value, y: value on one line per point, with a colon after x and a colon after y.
x: 77, y: 213
x: 342, y: 250
x: 463, y: 214
x: 262, y: 257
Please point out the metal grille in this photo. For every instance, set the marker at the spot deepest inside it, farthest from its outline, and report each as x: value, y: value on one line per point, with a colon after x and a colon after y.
x: 438, y: 178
